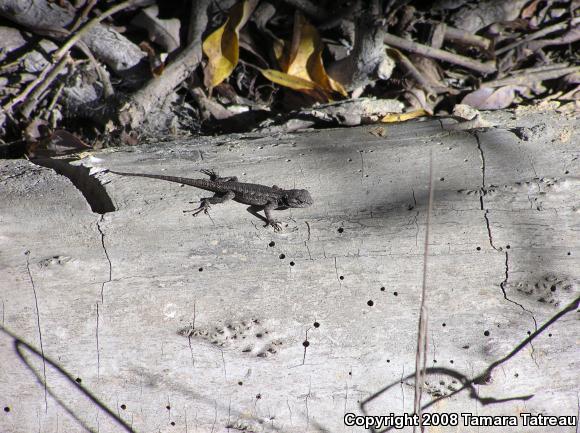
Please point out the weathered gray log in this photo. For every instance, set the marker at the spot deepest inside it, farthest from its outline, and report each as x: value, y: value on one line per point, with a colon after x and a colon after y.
x: 203, y: 323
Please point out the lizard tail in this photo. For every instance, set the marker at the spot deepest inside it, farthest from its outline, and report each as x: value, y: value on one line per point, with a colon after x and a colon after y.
x: 199, y: 183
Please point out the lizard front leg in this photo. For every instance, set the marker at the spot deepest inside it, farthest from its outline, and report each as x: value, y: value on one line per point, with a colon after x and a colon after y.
x: 270, y: 221
x: 206, y: 202
x: 254, y: 209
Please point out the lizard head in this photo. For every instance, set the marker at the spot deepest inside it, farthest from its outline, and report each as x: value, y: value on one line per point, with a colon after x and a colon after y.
x: 297, y: 198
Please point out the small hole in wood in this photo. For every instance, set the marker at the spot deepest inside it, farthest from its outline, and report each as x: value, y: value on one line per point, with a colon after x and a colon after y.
x: 340, y: 230
x: 370, y: 303
x: 271, y: 244
x: 306, y: 343
x: 316, y: 324
x: 282, y: 256
x: 486, y: 333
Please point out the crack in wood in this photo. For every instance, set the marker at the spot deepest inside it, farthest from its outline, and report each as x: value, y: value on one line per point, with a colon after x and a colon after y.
x: 27, y: 254
x: 107, y: 256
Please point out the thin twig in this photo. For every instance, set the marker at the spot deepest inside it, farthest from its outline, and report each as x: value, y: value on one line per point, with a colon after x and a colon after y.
x: 528, y: 79
x: 17, y: 99
x: 54, y: 99
x: 84, y: 13
x: 89, y: 25
x: 32, y: 100
x: 421, y: 354
x: 540, y: 33
x: 60, y: 57
x: 427, y: 51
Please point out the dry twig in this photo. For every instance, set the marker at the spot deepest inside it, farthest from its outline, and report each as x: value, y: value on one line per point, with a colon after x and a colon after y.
x: 528, y: 79
x: 427, y: 51
x: 540, y: 33
x: 60, y: 57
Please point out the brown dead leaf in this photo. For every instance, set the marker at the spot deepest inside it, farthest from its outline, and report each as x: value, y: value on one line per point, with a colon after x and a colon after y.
x: 487, y: 98
x: 301, y: 64
x: 62, y: 142
x: 41, y: 142
x: 222, y: 46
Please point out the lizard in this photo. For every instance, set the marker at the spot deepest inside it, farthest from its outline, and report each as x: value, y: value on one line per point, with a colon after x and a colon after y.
x: 259, y: 197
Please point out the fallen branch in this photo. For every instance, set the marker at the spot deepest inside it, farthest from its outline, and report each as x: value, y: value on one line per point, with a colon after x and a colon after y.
x: 427, y: 51
x: 134, y: 111
x: 463, y: 37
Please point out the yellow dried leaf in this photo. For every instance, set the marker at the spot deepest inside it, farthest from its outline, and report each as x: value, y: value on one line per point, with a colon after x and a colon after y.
x: 401, y: 117
x: 288, y: 80
x: 296, y: 83
x: 222, y: 46
x: 337, y: 87
x: 301, y: 61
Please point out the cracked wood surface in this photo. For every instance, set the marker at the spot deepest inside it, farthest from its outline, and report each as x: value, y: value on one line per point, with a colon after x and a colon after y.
x: 150, y: 320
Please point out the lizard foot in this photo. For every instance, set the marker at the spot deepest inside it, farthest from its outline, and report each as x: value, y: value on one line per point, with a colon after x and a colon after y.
x: 209, y: 172
x: 275, y: 225
x: 203, y: 207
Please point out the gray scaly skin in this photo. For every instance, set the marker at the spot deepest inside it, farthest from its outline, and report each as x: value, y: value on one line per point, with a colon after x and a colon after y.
x: 259, y: 197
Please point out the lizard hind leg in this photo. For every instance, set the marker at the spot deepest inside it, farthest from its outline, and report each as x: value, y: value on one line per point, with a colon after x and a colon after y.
x: 214, y: 177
